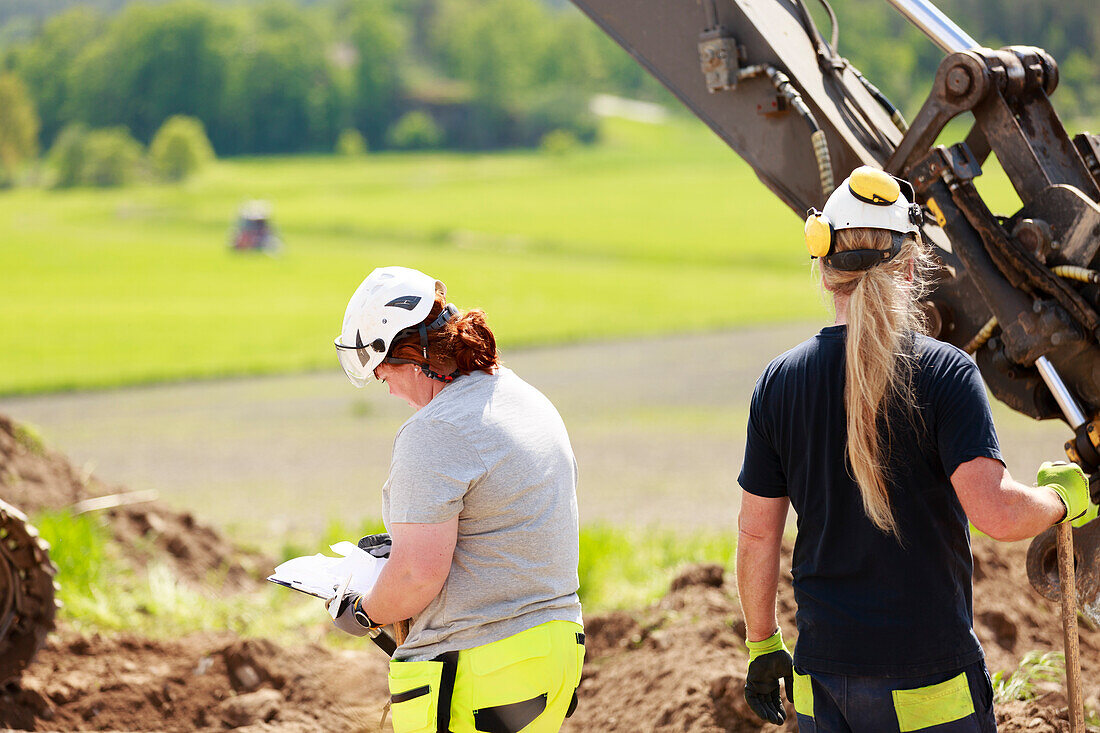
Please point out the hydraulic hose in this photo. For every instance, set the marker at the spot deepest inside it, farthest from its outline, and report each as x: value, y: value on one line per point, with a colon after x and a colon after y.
x: 895, y: 114
x: 1073, y: 272
x: 787, y: 91
x: 981, y: 337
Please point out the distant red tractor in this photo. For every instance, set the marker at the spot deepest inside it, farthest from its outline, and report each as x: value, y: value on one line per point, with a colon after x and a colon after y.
x: 254, y: 231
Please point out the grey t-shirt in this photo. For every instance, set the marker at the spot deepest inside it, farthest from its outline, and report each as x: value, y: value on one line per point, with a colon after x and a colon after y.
x: 493, y: 450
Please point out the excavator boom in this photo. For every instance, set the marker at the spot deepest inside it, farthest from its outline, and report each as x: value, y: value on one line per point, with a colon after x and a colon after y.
x: 1019, y: 291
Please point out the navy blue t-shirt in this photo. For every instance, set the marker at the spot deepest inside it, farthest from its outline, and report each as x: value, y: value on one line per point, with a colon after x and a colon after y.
x: 868, y: 604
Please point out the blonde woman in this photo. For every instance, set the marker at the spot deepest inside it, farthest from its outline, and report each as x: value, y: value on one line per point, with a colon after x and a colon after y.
x: 882, y: 441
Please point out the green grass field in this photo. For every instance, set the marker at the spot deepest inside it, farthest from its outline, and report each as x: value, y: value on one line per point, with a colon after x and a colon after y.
x: 657, y: 229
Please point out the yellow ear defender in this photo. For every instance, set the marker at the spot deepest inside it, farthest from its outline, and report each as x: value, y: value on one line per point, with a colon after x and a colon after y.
x: 872, y: 186
x: 820, y: 235
x: 867, y: 198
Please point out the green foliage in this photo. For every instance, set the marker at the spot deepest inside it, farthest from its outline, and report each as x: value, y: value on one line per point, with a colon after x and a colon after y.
x: 28, y: 436
x: 78, y: 546
x: 376, y: 38
x: 66, y: 157
x: 351, y: 143
x: 281, y: 94
x: 105, y: 158
x: 277, y: 76
x: 335, y: 531
x: 180, y: 148
x: 416, y: 130
x: 151, y: 62
x: 558, y: 142
x: 111, y: 157
x: 1033, y: 668
x: 101, y: 591
x: 631, y: 567
x: 18, y: 127
x: 47, y: 62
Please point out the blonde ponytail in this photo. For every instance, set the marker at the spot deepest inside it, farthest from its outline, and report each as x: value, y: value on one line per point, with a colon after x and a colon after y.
x: 882, y: 313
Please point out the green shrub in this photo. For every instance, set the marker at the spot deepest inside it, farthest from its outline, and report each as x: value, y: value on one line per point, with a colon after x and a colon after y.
x: 351, y: 143
x: 112, y: 157
x: 180, y: 148
x: 558, y: 142
x: 66, y: 157
x: 106, y: 157
x: 414, y: 131
x: 18, y: 127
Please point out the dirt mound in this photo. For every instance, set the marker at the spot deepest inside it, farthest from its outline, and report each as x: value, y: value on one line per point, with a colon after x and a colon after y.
x: 197, y: 553
x: 679, y: 665
x: 33, y: 478
x: 675, y: 666
x: 205, y: 682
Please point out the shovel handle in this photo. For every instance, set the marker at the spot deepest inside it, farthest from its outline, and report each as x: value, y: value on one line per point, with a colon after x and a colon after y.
x: 1067, y: 581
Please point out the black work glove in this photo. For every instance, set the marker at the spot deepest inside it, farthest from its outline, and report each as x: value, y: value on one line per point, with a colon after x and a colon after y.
x: 769, y: 661
x: 377, y: 544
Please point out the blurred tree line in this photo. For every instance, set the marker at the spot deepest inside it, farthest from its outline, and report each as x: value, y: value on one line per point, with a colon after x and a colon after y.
x: 266, y: 76
x: 279, y: 76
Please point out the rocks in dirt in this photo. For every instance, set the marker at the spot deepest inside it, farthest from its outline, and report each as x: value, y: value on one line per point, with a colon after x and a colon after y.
x: 249, y: 664
x: 250, y: 708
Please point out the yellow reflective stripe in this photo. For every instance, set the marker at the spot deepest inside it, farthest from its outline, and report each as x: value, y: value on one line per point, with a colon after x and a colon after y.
x: 933, y: 705
x: 803, y: 695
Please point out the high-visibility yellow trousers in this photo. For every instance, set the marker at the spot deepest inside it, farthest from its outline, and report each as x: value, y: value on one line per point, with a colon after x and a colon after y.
x: 525, y: 682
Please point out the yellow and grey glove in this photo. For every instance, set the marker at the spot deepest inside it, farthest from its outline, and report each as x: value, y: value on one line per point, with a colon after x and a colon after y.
x: 1072, y: 486
x: 769, y: 661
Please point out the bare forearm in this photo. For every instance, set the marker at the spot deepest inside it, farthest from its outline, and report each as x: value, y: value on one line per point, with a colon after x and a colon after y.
x: 1001, y: 507
x: 1025, y: 511
x: 758, y: 583
x: 401, y: 592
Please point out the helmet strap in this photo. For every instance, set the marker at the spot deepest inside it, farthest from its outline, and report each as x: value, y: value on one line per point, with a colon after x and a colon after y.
x: 449, y: 311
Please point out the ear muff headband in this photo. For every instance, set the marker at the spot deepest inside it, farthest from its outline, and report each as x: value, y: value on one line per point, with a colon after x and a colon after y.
x: 864, y: 259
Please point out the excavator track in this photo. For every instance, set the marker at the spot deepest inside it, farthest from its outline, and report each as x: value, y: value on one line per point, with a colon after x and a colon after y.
x: 27, y: 604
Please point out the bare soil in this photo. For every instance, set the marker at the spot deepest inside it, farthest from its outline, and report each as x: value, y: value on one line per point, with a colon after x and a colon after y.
x: 675, y: 666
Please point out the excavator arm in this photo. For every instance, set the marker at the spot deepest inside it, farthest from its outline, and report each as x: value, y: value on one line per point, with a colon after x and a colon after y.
x: 1021, y: 291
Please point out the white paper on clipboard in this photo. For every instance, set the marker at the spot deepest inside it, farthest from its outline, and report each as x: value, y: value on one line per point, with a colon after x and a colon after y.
x: 354, y: 571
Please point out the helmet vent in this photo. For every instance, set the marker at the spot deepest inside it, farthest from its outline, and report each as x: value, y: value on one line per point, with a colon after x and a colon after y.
x: 408, y: 302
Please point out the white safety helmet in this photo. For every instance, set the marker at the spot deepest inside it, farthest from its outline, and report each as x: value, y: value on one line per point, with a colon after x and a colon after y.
x: 389, y: 301
x: 867, y: 198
